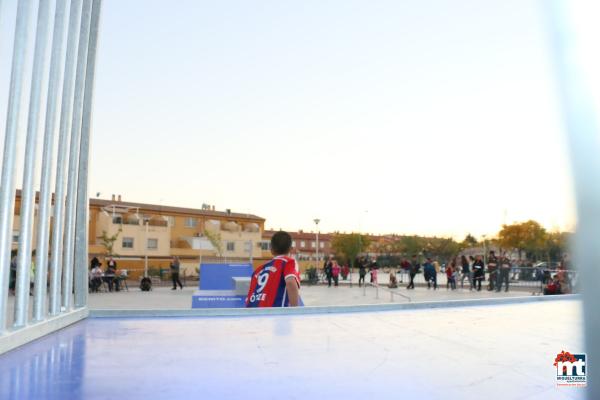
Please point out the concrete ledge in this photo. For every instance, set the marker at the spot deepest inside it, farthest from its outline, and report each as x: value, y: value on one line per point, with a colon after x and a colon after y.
x: 247, y: 312
x: 19, y: 337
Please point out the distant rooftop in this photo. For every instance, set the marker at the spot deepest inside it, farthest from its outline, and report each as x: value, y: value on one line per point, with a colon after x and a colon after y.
x: 175, y: 210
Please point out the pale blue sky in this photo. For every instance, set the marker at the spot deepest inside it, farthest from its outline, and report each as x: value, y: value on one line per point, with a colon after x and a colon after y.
x: 291, y: 110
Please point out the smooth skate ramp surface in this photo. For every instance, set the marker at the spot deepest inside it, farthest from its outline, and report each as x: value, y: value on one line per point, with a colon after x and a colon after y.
x: 489, y: 352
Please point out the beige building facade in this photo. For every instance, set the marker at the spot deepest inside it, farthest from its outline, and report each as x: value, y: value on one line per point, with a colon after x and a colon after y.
x: 139, y: 234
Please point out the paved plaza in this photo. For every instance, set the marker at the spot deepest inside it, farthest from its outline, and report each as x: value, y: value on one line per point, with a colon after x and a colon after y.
x: 163, y: 298
x: 318, y: 295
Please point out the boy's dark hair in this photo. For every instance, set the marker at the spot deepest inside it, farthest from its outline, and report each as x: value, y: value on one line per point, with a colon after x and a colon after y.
x: 281, y: 243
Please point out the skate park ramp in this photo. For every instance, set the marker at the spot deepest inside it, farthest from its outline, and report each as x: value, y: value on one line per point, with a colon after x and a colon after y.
x: 491, y: 351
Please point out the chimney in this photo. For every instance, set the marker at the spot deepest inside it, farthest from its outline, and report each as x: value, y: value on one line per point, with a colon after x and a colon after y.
x: 213, y: 208
x: 228, y: 211
x: 119, y: 198
x: 113, y: 197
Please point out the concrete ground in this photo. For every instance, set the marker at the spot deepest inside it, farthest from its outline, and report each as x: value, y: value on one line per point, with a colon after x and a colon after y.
x: 318, y: 295
x: 162, y: 297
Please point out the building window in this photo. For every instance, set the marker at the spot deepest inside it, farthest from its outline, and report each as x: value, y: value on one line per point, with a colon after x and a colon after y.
x: 313, y: 244
x: 127, y: 243
x: 265, y: 246
x: 293, y: 243
x: 152, y: 244
x: 230, y: 246
x: 191, y: 222
x: 170, y: 221
x: 15, y: 236
x: 303, y: 244
x: 322, y: 245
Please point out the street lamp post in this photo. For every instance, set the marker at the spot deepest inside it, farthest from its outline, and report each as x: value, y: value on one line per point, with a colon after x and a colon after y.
x: 359, y: 243
x: 146, y: 248
x: 484, y: 250
x: 317, y: 220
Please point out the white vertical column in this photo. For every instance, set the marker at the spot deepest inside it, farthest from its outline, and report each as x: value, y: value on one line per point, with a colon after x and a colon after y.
x: 576, y: 32
x: 7, y: 186
x: 82, y: 217
x: 28, y: 191
x: 61, y: 161
x: 45, y: 200
x: 69, y: 244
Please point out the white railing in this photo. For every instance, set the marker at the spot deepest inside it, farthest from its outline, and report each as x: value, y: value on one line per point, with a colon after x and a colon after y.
x: 67, y: 118
x: 391, y: 292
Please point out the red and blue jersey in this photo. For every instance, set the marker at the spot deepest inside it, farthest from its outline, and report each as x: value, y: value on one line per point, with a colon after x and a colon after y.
x: 267, y: 286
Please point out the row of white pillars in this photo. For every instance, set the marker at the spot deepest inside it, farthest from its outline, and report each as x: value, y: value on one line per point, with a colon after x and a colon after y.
x: 68, y: 69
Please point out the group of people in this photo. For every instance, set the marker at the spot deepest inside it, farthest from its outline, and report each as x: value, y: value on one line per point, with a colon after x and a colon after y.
x: 109, y: 276
x: 113, y: 279
x: 363, y: 265
x: 559, y: 283
x: 333, y: 271
x: 471, y: 269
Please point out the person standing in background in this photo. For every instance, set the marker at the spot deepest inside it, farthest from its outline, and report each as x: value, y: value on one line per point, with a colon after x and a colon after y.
x: 12, y: 281
x: 414, y: 268
x: 437, y: 266
x: 335, y: 272
x: 327, y: 268
x: 478, y: 273
x: 362, y: 272
x: 466, y: 272
x: 492, y: 269
x: 111, y: 263
x: 430, y: 273
x: 175, y: 273
x: 374, y: 275
x: 503, y: 272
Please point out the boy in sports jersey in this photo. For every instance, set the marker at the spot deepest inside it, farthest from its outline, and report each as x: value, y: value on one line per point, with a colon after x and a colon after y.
x: 276, y: 283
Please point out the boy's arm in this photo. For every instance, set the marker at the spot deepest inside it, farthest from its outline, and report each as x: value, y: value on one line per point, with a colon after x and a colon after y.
x: 293, y: 291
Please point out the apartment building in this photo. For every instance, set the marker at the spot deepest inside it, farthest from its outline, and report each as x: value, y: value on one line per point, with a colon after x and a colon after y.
x: 136, y: 232
x: 160, y: 232
x: 305, y: 244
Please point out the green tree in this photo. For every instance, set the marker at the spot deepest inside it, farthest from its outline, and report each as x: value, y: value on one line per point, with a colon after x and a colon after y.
x: 412, y: 245
x: 108, y: 242
x: 529, y: 237
x: 215, y: 239
x: 469, y: 241
x: 348, y: 246
x: 557, y: 244
x: 443, y: 248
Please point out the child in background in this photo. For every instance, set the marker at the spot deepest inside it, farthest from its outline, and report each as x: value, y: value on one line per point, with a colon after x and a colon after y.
x: 335, y: 272
x: 374, y: 276
x: 451, y: 275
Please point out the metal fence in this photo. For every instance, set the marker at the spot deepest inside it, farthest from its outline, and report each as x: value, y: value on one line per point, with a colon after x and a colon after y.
x: 521, y: 278
x: 63, y: 57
